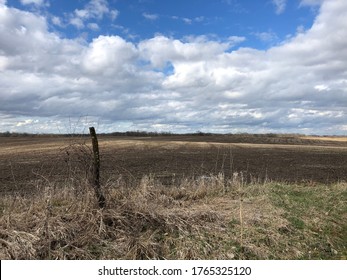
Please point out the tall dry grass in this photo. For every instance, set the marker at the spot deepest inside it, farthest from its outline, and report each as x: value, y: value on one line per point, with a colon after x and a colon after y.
x: 211, y: 217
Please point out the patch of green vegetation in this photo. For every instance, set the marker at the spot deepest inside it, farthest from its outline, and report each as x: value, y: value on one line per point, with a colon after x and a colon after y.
x: 296, y: 222
x: 233, y: 223
x: 317, y: 215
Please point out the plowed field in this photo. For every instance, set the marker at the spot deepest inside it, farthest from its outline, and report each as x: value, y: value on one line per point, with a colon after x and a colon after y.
x: 24, y: 160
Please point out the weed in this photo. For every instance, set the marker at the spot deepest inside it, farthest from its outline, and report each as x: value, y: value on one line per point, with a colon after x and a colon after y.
x: 195, y: 219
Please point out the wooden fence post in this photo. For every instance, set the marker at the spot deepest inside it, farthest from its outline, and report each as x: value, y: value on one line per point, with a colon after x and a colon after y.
x: 96, y: 169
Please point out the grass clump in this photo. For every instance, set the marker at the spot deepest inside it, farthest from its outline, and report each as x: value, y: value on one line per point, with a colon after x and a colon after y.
x: 196, y: 219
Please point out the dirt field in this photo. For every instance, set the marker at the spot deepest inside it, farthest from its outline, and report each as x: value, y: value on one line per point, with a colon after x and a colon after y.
x: 24, y: 160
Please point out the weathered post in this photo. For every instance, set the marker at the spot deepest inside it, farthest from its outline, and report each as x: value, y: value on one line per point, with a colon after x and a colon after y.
x: 96, y: 169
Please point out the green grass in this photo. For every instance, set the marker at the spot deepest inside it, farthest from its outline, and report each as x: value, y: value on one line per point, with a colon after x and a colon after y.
x: 317, y: 216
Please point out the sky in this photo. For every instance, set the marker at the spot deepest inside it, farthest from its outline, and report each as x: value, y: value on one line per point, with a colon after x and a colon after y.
x: 220, y: 66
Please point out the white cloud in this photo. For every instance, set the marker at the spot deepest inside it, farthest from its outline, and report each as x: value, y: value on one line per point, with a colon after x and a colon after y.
x: 268, y: 36
x: 108, y: 55
x: 322, y: 87
x: 188, y: 84
x: 83, y: 14
x: 160, y: 49
x: 94, y: 9
x: 57, y: 21
x: 280, y: 6
x: 234, y: 40
x: 113, y: 14
x: 93, y: 26
x: 77, y: 22
x: 300, y: 29
x: 25, y: 122
x: 199, y: 19
x: 35, y: 2
x: 187, y: 20
x: 150, y: 16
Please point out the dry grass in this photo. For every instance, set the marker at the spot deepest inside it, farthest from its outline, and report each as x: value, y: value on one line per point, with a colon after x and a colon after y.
x: 326, y: 138
x: 201, y: 218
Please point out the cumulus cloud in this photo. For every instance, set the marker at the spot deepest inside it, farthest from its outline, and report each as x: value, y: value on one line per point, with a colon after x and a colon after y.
x: 108, y: 55
x: 160, y: 49
x: 162, y: 83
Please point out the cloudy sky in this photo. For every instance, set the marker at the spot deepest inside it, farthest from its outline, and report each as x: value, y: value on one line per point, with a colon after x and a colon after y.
x: 223, y: 66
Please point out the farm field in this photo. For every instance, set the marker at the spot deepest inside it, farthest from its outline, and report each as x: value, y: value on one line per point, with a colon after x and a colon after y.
x: 171, y: 158
x: 175, y: 197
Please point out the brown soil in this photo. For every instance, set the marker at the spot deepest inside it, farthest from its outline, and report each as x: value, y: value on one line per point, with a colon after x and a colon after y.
x: 24, y: 160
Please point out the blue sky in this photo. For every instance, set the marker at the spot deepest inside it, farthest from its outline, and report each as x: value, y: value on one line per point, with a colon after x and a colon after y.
x: 263, y: 22
x: 222, y: 66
